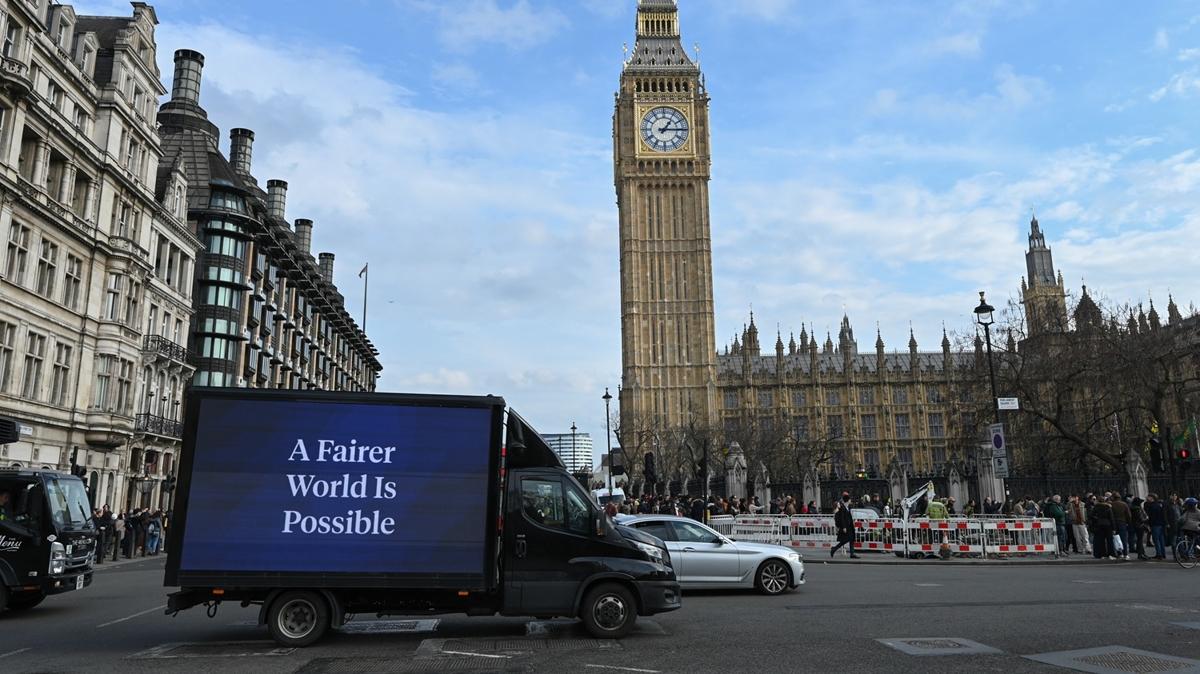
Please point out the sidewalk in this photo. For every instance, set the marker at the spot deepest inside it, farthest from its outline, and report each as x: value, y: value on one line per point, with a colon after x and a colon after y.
x: 884, y: 559
x: 109, y: 564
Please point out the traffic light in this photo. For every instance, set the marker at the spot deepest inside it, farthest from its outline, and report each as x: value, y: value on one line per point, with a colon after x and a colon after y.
x: 1184, y: 456
x: 1156, y: 454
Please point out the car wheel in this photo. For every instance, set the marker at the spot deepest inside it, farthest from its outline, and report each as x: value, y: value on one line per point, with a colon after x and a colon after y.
x: 608, y: 611
x: 298, y: 618
x: 773, y: 577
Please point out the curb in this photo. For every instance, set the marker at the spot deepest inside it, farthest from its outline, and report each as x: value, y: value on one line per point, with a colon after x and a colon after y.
x: 109, y: 564
x: 979, y: 562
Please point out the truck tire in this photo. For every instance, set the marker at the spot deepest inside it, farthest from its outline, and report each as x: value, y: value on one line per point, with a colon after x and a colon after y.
x: 773, y: 577
x: 298, y: 618
x: 608, y: 611
x: 3, y: 596
x: 21, y: 602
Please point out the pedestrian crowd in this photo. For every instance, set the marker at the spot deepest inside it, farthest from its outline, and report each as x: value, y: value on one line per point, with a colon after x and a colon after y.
x: 1105, y: 525
x: 138, y: 533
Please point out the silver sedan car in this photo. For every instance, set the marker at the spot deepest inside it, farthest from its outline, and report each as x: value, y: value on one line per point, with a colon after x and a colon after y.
x: 703, y: 558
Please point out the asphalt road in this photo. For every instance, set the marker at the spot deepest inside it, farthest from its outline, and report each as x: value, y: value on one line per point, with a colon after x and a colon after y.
x: 834, y: 623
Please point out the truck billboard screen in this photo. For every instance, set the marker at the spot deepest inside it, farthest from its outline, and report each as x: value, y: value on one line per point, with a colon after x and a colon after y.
x: 286, y: 485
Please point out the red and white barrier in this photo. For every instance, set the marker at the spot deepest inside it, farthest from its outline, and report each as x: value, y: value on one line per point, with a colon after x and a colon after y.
x: 959, y: 536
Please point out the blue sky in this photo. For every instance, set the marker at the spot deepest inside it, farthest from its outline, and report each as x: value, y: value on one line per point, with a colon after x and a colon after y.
x: 877, y: 158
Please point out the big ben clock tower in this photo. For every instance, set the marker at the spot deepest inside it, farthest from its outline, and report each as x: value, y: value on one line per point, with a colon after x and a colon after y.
x: 661, y: 169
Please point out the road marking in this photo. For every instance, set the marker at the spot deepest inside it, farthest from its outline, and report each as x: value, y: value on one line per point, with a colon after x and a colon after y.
x: 19, y: 650
x: 135, y: 615
x: 928, y: 584
x: 478, y: 655
x: 622, y: 668
x: 1088, y: 582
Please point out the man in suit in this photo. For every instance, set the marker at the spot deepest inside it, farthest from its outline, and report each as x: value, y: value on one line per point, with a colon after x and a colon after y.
x: 843, y: 519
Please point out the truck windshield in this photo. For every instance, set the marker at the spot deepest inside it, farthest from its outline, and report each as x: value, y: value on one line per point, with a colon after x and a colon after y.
x: 68, y: 503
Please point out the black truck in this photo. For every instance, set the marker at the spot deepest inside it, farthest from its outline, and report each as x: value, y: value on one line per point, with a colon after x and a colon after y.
x: 316, y: 505
x: 47, y: 535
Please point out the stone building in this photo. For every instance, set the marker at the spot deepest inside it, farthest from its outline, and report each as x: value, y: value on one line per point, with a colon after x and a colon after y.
x: 95, y: 295
x: 861, y: 410
x: 268, y: 315
x: 662, y: 166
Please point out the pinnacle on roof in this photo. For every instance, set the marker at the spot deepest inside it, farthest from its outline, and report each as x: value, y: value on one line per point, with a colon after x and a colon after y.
x: 778, y: 341
x: 1011, y: 343
x: 912, y: 340
x: 658, y: 44
x: 878, y: 338
x: 1173, y: 315
x: 792, y: 343
x: 1153, y: 316
x: 945, y: 339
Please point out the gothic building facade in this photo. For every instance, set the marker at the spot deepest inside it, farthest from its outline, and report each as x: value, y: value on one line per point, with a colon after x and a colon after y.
x: 662, y: 165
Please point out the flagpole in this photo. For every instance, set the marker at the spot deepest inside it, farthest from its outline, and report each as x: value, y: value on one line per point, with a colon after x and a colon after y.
x: 366, y: 277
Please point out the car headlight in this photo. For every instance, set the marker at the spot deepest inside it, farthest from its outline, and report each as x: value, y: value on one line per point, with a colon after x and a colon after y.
x: 655, y: 553
x: 58, y: 558
x: 793, y: 556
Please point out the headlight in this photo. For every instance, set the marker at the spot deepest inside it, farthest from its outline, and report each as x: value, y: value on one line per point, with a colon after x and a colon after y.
x: 793, y: 556
x: 58, y: 558
x: 655, y: 553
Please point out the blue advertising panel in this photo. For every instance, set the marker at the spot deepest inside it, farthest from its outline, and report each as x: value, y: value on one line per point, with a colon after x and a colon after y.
x: 332, y: 487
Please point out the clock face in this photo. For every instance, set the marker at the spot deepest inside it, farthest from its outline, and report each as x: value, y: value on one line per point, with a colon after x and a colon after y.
x: 665, y: 129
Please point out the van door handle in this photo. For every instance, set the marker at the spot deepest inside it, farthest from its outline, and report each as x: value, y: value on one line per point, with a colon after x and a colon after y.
x: 689, y: 549
x: 521, y: 547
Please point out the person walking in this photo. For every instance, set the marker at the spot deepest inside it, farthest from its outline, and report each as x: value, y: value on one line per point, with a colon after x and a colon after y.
x: 1123, y: 519
x: 1139, y: 527
x: 1156, y: 517
x: 118, y: 535
x: 1077, y: 513
x: 1102, y: 524
x: 843, y: 519
x: 1054, y: 510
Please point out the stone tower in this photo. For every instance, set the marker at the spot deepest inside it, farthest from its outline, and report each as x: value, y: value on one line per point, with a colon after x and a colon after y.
x: 1042, y: 291
x: 661, y: 167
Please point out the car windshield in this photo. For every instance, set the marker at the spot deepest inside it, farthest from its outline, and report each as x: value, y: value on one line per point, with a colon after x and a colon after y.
x: 68, y: 503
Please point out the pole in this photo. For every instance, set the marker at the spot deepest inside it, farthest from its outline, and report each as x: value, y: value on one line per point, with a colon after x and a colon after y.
x: 573, y: 458
x: 987, y: 336
x: 608, y: 439
x: 366, y: 274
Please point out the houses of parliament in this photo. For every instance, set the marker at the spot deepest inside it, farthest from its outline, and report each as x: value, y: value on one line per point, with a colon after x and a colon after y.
x: 880, y: 406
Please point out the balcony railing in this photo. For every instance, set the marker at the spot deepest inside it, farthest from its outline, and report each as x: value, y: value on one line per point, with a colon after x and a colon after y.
x: 152, y: 423
x: 166, y: 348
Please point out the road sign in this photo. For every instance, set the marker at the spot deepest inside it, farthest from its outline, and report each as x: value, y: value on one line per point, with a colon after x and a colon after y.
x: 1001, y: 463
x: 1007, y: 404
x: 996, y: 433
x: 26, y: 430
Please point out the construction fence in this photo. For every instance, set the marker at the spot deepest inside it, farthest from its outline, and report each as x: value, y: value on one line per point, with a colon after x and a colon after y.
x: 959, y: 536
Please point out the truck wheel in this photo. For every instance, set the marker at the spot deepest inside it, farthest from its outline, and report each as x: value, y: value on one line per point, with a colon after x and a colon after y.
x: 3, y: 597
x: 608, y: 611
x: 772, y: 577
x: 298, y: 618
x: 21, y: 602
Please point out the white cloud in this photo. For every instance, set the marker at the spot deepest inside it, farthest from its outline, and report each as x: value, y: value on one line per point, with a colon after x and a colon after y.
x: 959, y: 44
x: 1019, y: 91
x: 1181, y: 84
x: 1188, y: 54
x: 1162, y: 41
x: 440, y: 381
x: 763, y: 10
x: 467, y: 24
x: 458, y: 77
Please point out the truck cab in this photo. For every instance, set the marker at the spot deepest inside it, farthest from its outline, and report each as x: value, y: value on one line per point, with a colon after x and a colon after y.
x: 47, y: 536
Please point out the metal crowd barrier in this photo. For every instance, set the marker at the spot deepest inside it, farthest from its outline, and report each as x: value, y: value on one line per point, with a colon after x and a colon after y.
x: 958, y: 536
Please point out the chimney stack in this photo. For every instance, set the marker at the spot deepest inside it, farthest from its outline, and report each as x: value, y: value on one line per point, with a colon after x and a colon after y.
x: 304, y: 235
x: 326, y: 263
x: 241, y: 145
x: 277, y: 199
x: 185, y: 86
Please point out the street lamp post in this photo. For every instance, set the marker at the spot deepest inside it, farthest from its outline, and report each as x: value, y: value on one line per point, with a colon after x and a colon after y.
x: 574, y: 459
x: 608, y: 439
x: 983, y: 315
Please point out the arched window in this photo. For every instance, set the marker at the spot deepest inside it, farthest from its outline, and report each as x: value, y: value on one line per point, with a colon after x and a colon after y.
x: 177, y: 205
